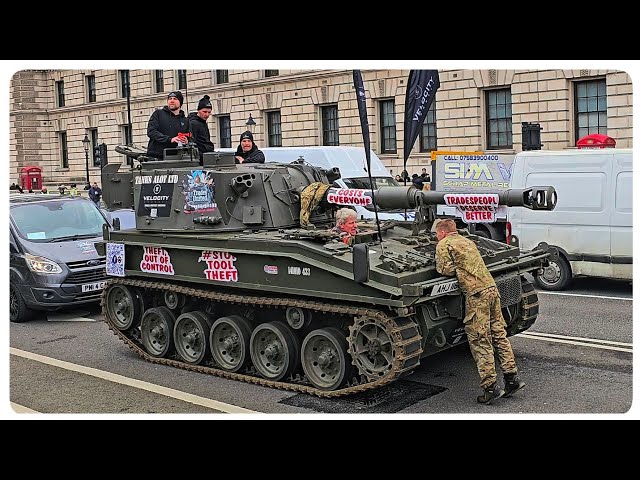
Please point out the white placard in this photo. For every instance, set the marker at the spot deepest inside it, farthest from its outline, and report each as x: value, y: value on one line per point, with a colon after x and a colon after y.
x: 115, y: 259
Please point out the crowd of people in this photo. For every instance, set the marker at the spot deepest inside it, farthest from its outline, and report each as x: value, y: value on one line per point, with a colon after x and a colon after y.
x: 421, y: 181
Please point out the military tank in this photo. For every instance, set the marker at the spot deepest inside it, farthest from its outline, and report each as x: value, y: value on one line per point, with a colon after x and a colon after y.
x: 221, y: 277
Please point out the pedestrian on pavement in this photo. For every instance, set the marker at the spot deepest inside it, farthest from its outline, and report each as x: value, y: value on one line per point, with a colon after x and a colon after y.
x: 95, y: 193
x: 248, y: 151
x: 199, y: 128
x: 483, y: 323
x: 165, y: 125
x: 73, y: 190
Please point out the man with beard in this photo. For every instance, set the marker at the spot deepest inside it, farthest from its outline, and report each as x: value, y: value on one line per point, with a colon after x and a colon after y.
x: 165, y: 125
x: 247, y: 151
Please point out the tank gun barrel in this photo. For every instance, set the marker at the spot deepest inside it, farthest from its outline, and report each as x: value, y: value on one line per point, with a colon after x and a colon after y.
x: 387, y: 198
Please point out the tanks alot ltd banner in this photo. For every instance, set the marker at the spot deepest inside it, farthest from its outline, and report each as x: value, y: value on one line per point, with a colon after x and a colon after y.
x: 156, y: 194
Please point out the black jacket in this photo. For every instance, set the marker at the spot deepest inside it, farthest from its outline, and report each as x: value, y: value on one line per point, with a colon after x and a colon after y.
x: 200, y: 132
x: 254, y: 155
x: 163, y: 126
x: 95, y: 193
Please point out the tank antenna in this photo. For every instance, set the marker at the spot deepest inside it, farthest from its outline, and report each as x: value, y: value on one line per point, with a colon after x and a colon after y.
x: 364, y: 125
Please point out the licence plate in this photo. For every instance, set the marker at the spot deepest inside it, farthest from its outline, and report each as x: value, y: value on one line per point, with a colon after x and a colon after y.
x: 92, y: 287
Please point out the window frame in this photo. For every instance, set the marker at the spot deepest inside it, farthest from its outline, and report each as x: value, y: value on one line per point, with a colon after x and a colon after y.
x: 598, y: 98
x: 64, y: 149
x: 158, y: 81
x: 91, y: 88
x: 124, y: 79
x: 274, y: 139
x: 181, y: 75
x: 224, y: 125
x: 509, y: 124
x: 60, y: 100
x: 431, y: 115
x: 326, y: 125
x: 221, y: 77
x: 271, y: 73
x: 384, y: 128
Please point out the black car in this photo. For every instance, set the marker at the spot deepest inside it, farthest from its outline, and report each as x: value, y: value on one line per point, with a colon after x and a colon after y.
x: 53, y: 260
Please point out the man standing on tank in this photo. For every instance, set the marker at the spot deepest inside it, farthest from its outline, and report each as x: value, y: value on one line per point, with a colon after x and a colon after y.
x: 483, y: 323
x: 165, y: 125
x: 248, y: 151
x: 199, y: 128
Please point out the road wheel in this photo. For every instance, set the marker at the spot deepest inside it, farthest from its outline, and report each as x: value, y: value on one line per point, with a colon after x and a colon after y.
x: 229, y: 342
x: 191, y: 336
x: 156, y: 331
x: 275, y: 350
x: 325, y: 358
x: 123, y: 306
x: 556, y: 276
x: 18, y: 310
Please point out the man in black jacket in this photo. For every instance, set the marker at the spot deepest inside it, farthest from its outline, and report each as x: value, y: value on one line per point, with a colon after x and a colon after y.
x: 199, y: 128
x: 247, y: 151
x: 165, y: 125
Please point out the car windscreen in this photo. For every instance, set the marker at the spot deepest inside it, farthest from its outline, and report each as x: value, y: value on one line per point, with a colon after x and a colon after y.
x: 56, y: 220
x: 363, y: 182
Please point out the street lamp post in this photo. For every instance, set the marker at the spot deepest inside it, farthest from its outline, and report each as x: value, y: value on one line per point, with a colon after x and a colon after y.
x: 85, y: 143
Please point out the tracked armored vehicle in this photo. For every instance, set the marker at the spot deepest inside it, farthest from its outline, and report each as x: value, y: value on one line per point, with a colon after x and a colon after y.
x: 220, y: 277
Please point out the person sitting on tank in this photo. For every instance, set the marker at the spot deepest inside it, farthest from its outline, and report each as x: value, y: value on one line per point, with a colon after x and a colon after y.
x: 248, y: 151
x: 346, y: 225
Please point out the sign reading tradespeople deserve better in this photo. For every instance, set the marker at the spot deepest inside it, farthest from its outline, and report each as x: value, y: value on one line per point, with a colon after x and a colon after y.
x: 474, y: 207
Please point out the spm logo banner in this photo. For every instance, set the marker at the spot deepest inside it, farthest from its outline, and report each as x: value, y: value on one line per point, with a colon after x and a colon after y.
x: 472, y: 172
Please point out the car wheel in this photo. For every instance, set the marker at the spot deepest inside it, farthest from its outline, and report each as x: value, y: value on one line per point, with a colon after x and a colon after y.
x: 18, y: 310
x: 556, y: 276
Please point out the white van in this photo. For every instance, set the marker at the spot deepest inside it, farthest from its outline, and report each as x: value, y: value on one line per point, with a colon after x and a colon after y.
x: 352, y: 164
x: 592, y: 223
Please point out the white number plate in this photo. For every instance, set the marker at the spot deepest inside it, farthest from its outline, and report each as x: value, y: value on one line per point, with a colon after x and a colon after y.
x: 92, y: 287
x: 443, y: 288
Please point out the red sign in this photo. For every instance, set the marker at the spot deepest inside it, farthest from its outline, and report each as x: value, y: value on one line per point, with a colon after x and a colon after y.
x: 596, y: 140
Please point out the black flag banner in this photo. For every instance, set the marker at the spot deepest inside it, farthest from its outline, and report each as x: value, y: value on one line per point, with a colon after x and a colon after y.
x: 421, y: 90
x: 362, y: 109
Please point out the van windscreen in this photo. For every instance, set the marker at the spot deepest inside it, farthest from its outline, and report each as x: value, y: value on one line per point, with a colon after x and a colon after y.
x: 52, y: 220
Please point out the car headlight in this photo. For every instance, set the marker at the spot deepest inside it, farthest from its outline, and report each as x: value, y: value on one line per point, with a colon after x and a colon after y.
x: 41, y: 264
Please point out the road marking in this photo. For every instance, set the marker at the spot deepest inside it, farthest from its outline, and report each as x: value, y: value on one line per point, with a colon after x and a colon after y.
x: 592, y: 340
x: 21, y: 408
x: 584, y: 295
x: 131, y: 382
x: 533, y: 336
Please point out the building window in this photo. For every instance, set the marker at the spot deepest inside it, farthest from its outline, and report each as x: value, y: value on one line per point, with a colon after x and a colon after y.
x: 591, y: 107
x: 124, y: 83
x: 182, y: 79
x: 388, y: 126
x: 159, y: 81
x: 60, y: 93
x: 330, y: 125
x: 429, y: 136
x: 499, y: 124
x: 274, y: 129
x: 93, y: 135
x: 64, y: 153
x: 222, y: 76
x: 224, y: 127
x: 271, y: 73
x: 127, y: 139
x: 91, y: 88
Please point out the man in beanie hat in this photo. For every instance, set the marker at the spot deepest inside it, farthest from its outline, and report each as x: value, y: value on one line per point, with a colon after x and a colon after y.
x: 247, y: 151
x: 199, y: 128
x: 165, y: 124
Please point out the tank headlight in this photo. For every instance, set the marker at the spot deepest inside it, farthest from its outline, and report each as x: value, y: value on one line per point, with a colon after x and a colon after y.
x: 42, y: 265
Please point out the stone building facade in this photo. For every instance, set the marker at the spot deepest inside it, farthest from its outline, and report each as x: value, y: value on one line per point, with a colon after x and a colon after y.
x: 51, y: 111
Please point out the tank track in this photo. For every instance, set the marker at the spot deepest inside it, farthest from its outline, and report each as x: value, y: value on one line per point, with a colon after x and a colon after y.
x: 529, y: 308
x: 403, y: 332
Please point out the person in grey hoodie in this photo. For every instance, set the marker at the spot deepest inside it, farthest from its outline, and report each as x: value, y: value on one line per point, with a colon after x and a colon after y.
x: 199, y: 128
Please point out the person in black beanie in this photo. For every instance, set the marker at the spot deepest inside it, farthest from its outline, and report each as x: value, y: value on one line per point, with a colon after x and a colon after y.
x: 199, y: 128
x: 165, y: 125
x: 247, y: 151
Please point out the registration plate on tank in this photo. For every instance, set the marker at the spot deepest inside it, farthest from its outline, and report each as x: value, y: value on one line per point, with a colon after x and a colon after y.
x: 443, y: 288
x: 92, y: 287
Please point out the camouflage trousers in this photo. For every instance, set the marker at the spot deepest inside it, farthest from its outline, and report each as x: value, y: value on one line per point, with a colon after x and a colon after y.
x: 486, y: 332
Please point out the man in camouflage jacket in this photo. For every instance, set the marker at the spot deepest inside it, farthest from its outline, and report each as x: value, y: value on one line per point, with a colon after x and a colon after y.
x: 483, y: 323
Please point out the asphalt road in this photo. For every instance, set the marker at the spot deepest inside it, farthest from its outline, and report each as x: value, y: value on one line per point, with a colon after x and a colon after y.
x: 575, y: 359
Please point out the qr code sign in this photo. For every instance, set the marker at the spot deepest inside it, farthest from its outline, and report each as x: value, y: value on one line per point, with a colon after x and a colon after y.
x: 115, y: 259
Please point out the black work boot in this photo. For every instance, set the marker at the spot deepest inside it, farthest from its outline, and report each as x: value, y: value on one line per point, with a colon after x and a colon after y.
x: 512, y: 384
x: 490, y: 394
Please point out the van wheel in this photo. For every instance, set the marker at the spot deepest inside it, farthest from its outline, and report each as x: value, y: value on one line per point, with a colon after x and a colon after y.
x: 556, y: 276
x: 18, y: 310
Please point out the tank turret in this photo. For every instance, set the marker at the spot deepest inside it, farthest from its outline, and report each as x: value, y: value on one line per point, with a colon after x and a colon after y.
x: 234, y: 270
